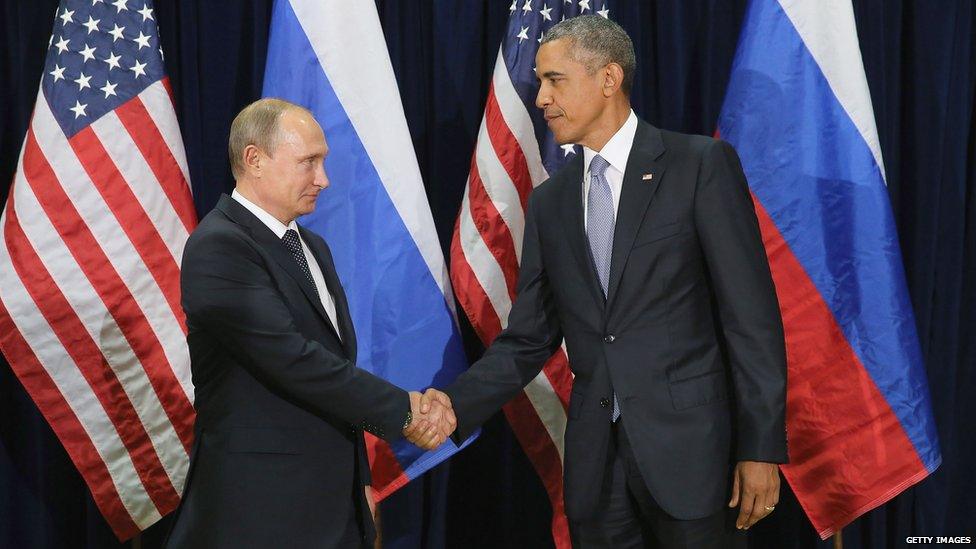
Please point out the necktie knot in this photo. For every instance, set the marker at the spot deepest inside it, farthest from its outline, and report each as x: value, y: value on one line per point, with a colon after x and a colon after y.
x: 598, y: 166
x: 291, y: 241
x: 294, y: 245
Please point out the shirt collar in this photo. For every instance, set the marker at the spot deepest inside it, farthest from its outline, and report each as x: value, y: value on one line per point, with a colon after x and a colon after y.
x: 617, y: 149
x: 277, y: 227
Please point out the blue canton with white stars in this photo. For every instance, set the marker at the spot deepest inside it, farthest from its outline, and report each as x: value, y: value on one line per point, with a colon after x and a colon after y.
x: 527, y: 23
x: 102, y: 53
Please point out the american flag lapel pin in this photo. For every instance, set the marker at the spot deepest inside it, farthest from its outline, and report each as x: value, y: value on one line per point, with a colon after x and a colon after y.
x: 647, y: 177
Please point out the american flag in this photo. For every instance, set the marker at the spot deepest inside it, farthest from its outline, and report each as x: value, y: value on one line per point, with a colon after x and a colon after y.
x: 92, y: 236
x: 514, y: 153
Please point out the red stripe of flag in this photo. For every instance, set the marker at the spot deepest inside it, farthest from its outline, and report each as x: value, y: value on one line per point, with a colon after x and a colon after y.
x: 492, y: 228
x: 385, y: 467
x: 131, y: 216
x: 507, y: 148
x: 110, y: 287
x: 90, y: 362
x: 822, y: 369
x: 560, y: 377
x: 470, y: 294
x: 65, y: 425
x: 151, y: 144
x: 541, y: 451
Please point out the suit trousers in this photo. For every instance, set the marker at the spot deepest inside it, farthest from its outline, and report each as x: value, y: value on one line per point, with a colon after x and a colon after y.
x: 631, y: 518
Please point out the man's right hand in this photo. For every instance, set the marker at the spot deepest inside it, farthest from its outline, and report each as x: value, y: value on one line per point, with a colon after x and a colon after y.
x: 433, y: 419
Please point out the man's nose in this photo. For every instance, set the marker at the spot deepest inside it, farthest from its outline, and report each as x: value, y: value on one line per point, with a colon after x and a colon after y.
x: 542, y: 99
x: 322, y: 178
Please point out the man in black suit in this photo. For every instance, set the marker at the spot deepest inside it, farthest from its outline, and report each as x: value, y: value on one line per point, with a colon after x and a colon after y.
x: 645, y: 254
x: 279, y: 458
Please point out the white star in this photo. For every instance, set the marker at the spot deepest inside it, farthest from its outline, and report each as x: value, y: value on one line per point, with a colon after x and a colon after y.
x: 527, y: 7
x: 605, y: 12
x: 584, y: 5
x: 120, y: 5
x: 116, y: 32
x: 545, y: 12
x: 66, y: 17
x: 108, y: 88
x: 57, y: 73
x: 88, y: 53
x: 79, y: 109
x: 523, y: 34
x: 512, y: 8
x: 113, y: 61
x: 568, y: 2
x: 97, y: 1
x: 142, y: 40
x: 541, y: 36
x: 92, y: 24
x: 568, y: 149
x: 82, y: 81
x: 139, y: 69
x: 146, y: 13
x: 62, y: 45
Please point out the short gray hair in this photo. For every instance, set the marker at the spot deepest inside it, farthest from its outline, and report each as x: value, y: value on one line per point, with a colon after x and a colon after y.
x: 596, y: 41
x: 257, y: 124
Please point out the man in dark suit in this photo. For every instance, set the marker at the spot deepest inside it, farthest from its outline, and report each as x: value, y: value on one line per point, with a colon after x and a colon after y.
x: 645, y: 254
x: 279, y: 458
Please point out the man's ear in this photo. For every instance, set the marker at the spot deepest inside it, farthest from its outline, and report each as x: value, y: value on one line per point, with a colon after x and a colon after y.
x: 613, y: 78
x: 252, y: 160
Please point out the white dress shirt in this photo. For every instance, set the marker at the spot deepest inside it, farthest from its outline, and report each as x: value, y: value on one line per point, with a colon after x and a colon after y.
x: 279, y: 228
x: 616, y: 152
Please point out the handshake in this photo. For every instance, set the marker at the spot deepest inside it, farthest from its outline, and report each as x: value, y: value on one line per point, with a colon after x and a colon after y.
x: 433, y: 419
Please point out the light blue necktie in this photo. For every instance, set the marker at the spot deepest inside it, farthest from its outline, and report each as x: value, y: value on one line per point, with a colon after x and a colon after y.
x: 599, y: 229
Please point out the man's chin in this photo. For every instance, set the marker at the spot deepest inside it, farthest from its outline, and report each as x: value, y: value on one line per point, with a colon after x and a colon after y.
x: 563, y: 139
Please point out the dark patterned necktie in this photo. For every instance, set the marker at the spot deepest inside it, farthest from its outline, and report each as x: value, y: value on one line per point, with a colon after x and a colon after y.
x: 294, y: 246
x: 599, y: 231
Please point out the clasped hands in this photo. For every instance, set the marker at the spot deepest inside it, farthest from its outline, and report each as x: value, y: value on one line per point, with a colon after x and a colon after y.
x: 433, y: 419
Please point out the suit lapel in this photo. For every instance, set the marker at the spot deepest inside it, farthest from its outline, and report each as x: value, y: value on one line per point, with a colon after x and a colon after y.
x: 572, y: 182
x: 324, y: 258
x: 270, y: 243
x: 645, y: 169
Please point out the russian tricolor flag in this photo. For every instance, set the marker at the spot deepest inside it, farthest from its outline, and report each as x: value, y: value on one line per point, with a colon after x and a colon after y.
x: 798, y: 111
x: 331, y: 57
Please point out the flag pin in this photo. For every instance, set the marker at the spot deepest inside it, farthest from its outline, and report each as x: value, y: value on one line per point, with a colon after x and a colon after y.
x: 647, y: 177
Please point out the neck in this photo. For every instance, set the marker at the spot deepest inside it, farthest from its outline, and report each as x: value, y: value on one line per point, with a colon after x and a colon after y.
x: 604, y: 127
x: 246, y: 189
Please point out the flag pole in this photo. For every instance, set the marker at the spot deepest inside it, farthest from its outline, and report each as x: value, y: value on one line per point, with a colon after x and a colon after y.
x: 839, y: 539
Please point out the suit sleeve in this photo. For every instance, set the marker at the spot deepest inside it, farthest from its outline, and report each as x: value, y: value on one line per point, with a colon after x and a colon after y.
x: 519, y: 352
x: 228, y: 291
x: 749, y: 313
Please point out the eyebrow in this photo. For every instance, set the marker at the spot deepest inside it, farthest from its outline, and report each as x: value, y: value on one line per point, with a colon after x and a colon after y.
x: 550, y: 74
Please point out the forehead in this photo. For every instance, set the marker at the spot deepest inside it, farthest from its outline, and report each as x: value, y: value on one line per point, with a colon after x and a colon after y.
x: 298, y: 127
x: 556, y: 53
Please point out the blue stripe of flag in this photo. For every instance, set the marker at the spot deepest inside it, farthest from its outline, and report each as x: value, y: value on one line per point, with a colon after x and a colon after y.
x: 829, y: 200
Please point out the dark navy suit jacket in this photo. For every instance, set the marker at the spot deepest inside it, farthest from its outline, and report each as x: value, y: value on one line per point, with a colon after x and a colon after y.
x: 279, y: 458
x: 689, y: 336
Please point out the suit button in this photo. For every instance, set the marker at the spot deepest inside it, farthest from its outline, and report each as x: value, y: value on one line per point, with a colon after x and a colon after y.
x: 609, y: 338
x: 605, y: 402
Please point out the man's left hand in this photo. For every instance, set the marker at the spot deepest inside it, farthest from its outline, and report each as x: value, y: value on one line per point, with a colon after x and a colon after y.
x: 755, y: 489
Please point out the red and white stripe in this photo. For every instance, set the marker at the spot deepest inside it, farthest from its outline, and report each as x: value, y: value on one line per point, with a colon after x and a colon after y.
x: 485, y: 256
x: 90, y: 316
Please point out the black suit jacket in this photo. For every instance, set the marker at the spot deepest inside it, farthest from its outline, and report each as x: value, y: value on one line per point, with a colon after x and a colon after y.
x: 279, y: 458
x: 689, y: 337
